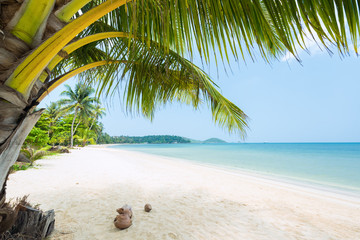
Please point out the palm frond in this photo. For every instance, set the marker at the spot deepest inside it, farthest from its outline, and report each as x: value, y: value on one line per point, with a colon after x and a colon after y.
x: 28, y: 152
x: 241, y: 28
x: 153, y: 77
x: 33, y: 154
x: 38, y: 155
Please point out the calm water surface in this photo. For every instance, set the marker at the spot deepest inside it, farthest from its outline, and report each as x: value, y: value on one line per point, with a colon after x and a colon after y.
x: 329, y: 164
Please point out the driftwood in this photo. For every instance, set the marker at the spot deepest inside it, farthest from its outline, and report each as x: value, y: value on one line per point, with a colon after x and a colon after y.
x: 31, y: 224
x: 34, y: 223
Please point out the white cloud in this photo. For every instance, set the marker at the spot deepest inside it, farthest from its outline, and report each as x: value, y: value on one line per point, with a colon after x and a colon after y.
x: 311, y: 47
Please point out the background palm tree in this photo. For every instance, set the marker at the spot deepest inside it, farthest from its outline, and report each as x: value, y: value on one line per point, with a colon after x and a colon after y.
x: 80, y: 103
x: 143, y: 43
x: 97, y: 113
x: 86, y: 136
x: 54, y: 112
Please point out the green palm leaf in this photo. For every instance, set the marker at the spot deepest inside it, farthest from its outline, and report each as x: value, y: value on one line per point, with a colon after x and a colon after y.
x: 237, y: 26
x: 151, y: 77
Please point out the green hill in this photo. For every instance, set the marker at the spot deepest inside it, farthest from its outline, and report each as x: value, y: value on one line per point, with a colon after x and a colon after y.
x: 210, y: 140
x: 214, y: 140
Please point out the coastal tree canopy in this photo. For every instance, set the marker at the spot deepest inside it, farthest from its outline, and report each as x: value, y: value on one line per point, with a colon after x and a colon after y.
x: 142, y: 44
x: 80, y: 102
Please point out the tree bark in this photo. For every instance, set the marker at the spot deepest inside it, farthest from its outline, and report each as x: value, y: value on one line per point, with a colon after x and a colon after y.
x: 72, y: 129
x: 9, y: 150
x: 77, y: 125
x: 92, y: 123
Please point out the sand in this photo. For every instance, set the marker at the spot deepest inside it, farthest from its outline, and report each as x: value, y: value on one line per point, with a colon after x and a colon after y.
x: 189, y: 201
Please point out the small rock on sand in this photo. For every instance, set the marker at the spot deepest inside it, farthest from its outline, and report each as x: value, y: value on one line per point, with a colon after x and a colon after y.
x: 147, y: 207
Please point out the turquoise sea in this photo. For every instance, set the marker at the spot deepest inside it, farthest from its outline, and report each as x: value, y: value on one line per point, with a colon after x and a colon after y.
x: 330, y: 165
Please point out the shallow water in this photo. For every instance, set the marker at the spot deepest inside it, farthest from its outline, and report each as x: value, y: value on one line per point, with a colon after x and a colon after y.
x: 335, y: 165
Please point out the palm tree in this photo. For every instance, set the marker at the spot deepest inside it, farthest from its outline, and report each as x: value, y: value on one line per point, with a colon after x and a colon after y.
x: 80, y: 102
x: 33, y: 154
x: 54, y: 113
x: 98, y: 112
x: 87, y: 136
x: 53, y: 110
x: 98, y: 129
x: 143, y: 43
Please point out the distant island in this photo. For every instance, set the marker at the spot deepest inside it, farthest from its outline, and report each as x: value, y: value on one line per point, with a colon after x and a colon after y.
x: 152, y: 139
x: 210, y: 140
x: 214, y: 140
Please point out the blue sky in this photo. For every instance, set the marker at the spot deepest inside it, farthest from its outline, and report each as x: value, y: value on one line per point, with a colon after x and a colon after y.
x: 318, y: 101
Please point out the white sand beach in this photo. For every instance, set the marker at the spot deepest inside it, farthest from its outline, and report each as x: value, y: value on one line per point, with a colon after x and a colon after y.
x: 189, y: 201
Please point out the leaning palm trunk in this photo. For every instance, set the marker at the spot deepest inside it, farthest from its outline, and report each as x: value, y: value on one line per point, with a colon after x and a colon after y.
x: 9, y: 152
x: 150, y: 38
x: 92, y: 124
x: 15, y: 124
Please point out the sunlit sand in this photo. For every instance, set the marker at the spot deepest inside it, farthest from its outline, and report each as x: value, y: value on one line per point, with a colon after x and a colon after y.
x: 188, y: 201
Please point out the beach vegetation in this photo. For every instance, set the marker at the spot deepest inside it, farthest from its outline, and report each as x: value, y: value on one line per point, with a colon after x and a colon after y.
x: 74, y: 119
x: 82, y: 104
x: 33, y: 154
x: 20, y: 166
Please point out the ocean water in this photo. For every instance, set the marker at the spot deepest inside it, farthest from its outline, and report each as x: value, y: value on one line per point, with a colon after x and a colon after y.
x: 334, y: 165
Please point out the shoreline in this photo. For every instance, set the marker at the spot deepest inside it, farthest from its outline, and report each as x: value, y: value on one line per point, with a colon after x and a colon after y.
x: 189, y: 201
x: 341, y: 192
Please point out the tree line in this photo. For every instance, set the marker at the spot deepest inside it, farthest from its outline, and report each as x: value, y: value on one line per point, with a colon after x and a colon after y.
x: 74, y: 121
x: 152, y: 139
